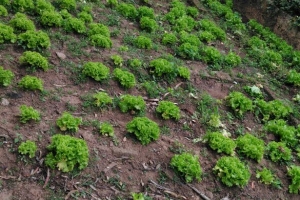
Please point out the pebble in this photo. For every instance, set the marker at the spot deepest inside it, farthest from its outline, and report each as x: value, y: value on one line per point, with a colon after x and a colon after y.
x: 4, y: 102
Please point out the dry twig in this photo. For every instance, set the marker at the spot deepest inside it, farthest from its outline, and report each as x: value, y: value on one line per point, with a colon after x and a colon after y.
x: 47, y: 178
x: 202, y: 195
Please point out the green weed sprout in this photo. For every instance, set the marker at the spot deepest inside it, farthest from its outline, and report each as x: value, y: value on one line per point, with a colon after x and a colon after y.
x: 68, y: 122
x: 102, y: 99
x: 143, y: 42
x: 100, y: 40
x: 51, y: 18
x: 219, y: 142
x: 279, y: 152
x: 239, y: 103
x: 148, y: 24
x: 232, y: 171
x: 144, y: 129
x: 125, y: 78
x: 107, y: 128
x: 7, y: 34
x: 6, y: 77
x: 132, y: 103
x: 251, y: 146
x: 28, y: 147
x: 294, y: 173
x: 35, y: 40
x: 96, y: 70
x: 118, y: 60
x: 168, y: 110
x: 31, y: 83
x: 188, y: 166
x: 98, y: 28
x: 21, y: 23
x: 28, y: 113
x: 34, y: 60
x: 66, y: 153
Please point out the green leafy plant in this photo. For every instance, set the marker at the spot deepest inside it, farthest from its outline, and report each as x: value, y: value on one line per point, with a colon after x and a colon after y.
x: 102, y: 99
x: 267, y: 177
x: 98, y: 28
x: 162, y: 67
x: 107, y: 128
x: 217, y: 141
x: 3, y: 11
x: 206, y: 36
x: 85, y: 16
x: 168, y: 110
x: 232, y: 171
x: 293, y: 77
x: 28, y: 147
x: 34, y: 60
x: 210, y: 55
x: 192, y: 11
x: 254, y: 91
x: 51, y: 18
x: 66, y: 153
x: 28, y: 113
x: 187, y: 165
x: 148, y: 24
x: 6, y: 77
x: 169, y: 39
x: 279, y: 152
x: 132, y: 103
x: 125, y: 78
x: 31, y: 83
x: 188, y: 51
x: 274, y: 109
x: 66, y: 4
x: 7, y: 34
x: 100, y: 40
x: 232, y: 60
x: 184, y: 72
x: 184, y: 23
x: 294, y: 173
x: 144, y: 129
x: 68, y: 122
x: 251, y: 146
x: 35, y: 40
x: 96, y: 70
x: 21, y: 23
x: 112, y: 3
x: 135, y: 63
x: 209, y: 26
x: 22, y: 5
x: 186, y: 37
x: 42, y: 6
x: 73, y: 24
x: 143, y: 42
x: 239, y: 103
x: 118, y: 60
x: 127, y: 10
x: 145, y: 11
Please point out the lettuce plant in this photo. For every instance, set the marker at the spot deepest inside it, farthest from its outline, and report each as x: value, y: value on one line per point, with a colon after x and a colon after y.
x: 169, y: 39
x: 31, y: 83
x: 184, y: 23
x: 162, y: 67
x: 100, y: 40
x: 274, y: 109
x: 279, y: 152
x: 209, y: 26
x: 85, y: 16
x: 232, y: 60
x: 106, y: 128
x: 145, y: 11
x: 148, y: 24
x: 21, y: 23
x: 254, y: 91
x: 132, y: 103
x: 294, y: 173
x: 68, y: 122
x: 293, y: 77
x: 125, y: 78
x: 217, y: 141
x: 186, y: 37
x: 34, y: 60
x: 42, y: 6
x: 232, y: 171
x: 35, y: 40
x: 144, y: 129
x: 251, y: 146
x: 73, y: 24
x: 22, y: 5
x: 143, y: 42
x: 3, y: 11
x: 118, y: 60
x: 206, y: 36
x: 188, y: 51
x: 192, y: 11
x: 127, y: 10
x: 239, y: 103
x: 66, y: 4
x: 7, y: 34
x: 6, y: 77
x: 96, y: 70
x: 168, y: 110
x: 28, y: 147
x: 184, y: 72
x: 28, y: 113
x: 66, y: 153
x: 112, y: 3
x: 187, y: 165
x: 267, y: 177
x: 102, y: 99
x: 210, y: 55
x: 98, y: 28
x: 135, y: 63
x: 51, y: 18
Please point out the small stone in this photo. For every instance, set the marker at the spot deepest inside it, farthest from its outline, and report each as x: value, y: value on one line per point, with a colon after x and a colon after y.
x: 209, y: 194
x: 61, y: 55
x: 4, y: 102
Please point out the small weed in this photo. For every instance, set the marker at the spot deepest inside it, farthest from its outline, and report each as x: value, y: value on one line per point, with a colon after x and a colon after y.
x: 117, y: 183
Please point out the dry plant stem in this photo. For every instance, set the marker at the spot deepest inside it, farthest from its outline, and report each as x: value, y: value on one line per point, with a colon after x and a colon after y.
x: 47, y: 179
x: 203, y: 196
x: 166, y: 190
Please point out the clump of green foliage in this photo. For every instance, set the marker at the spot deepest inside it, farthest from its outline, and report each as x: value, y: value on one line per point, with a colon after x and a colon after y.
x: 162, y: 67
x: 279, y: 152
x: 169, y: 39
x: 28, y: 147
x: 267, y: 177
x: 251, y: 146
x: 127, y: 10
x: 210, y: 55
x: 106, y: 129
x: 186, y: 37
x: 188, y: 51
x: 232, y: 171
x: 42, y: 6
x: 132, y: 103
x: 3, y: 11
x: 209, y: 26
x: 102, y: 99
x: 184, y: 72
x: 85, y: 16
x: 148, y: 24
x: 6, y: 77
x: 66, y: 152
x: 232, y: 60
x: 184, y: 23
x: 293, y: 77
x: 34, y: 60
x: 21, y: 23
x: 100, y: 40
x: 239, y: 103
x: 96, y: 70
x: 143, y: 42
x: 294, y: 173
x: 118, y: 60
x: 206, y: 36
x: 51, y: 18
x: 66, y: 4
x: 145, y: 11
x: 125, y: 78
x: 187, y: 165
x: 7, y: 34
x: 31, y: 83
x: 73, y: 24
x: 112, y: 3
x: 274, y: 109
x: 98, y: 28
x: 168, y: 110
x: 35, y: 40
x: 144, y: 129
x: 135, y: 63
x: 192, y: 11
x: 28, y: 113
x: 68, y: 122
x: 254, y: 91
x: 217, y: 141
x: 22, y: 5
x: 280, y: 128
